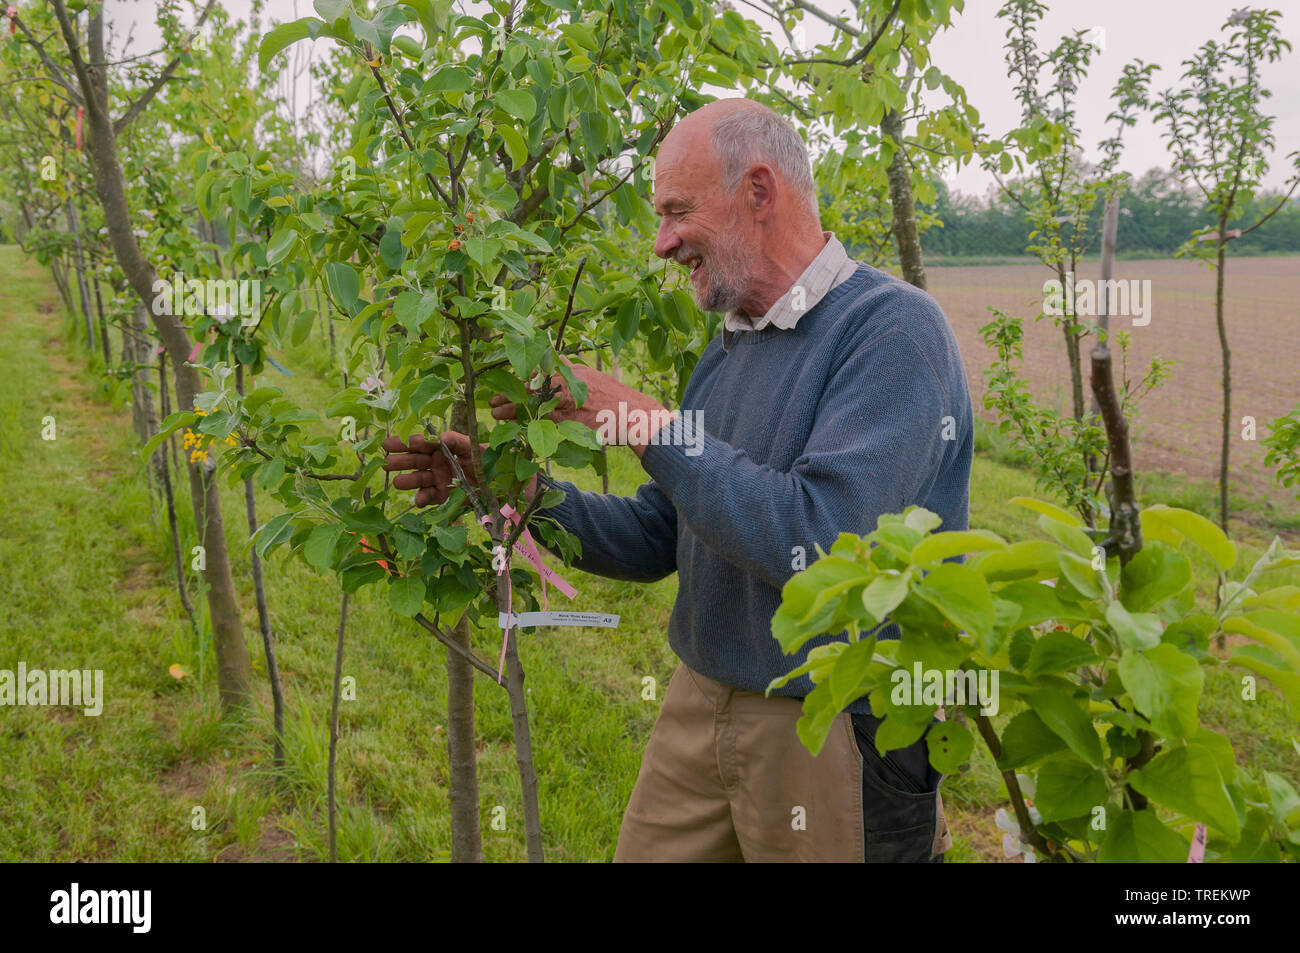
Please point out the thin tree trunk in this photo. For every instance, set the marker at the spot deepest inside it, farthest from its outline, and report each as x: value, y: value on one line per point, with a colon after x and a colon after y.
x: 164, y: 394
x: 263, y: 614
x: 329, y: 319
x: 71, y: 218
x: 604, y: 454
x: 161, y: 468
x: 466, y: 825
x: 103, y: 326
x: 1069, y: 321
x: 61, y: 282
x: 1224, y: 447
x: 334, y: 731
x: 135, y: 352
x: 1109, y: 232
x: 906, y: 237
x: 164, y: 470
x: 233, y: 669
x: 1125, y: 535
x: 523, y: 735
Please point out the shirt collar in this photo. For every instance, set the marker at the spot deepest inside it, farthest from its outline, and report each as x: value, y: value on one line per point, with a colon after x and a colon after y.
x: 809, y: 288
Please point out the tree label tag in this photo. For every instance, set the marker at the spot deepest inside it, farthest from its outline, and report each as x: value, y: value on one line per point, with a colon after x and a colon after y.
x: 601, y: 620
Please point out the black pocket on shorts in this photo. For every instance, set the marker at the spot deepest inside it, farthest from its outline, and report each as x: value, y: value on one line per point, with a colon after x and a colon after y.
x: 899, y: 799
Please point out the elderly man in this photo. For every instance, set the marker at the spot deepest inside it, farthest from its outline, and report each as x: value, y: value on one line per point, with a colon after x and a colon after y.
x: 835, y: 393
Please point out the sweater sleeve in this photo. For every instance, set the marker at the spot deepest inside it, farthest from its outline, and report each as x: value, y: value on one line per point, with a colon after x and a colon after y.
x: 876, y: 445
x: 622, y: 538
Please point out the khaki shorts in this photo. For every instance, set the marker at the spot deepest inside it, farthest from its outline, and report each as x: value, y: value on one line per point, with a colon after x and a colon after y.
x: 726, y: 778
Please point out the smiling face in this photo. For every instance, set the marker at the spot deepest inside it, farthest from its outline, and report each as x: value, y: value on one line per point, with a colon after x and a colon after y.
x: 701, y: 227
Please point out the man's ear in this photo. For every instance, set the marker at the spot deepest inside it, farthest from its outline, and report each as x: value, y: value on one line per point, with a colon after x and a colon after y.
x: 762, y: 191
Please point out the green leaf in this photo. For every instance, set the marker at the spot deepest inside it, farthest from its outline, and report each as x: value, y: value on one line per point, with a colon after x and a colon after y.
x: 834, y: 576
x: 281, y: 243
x: 282, y: 36
x: 319, y: 548
x: 1067, y: 787
x: 406, y: 595
x: 1138, y: 837
x: 451, y: 540
x: 412, y: 309
x: 818, y: 665
x: 950, y: 745
x: 593, y: 126
x: 796, y: 620
x: 1059, y: 652
x: 482, y: 250
x: 1283, y: 799
x: 961, y: 594
x: 853, y: 675
x: 884, y: 593
x: 173, y: 423
x: 579, y: 433
x: 517, y: 102
x: 1187, y: 779
x: 1171, y: 525
x: 1136, y: 630
x: 819, y: 713
x: 1165, y: 686
x: 1071, y: 538
x: 543, y: 437
x: 1033, y: 559
x: 448, y: 79
x: 1062, y: 715
x: 1048, y: 509
x: 331, y: 10
x: 409, y: 46
x: 1026, y: 740
x: 946, y: 545
x: 580, y: 34
x: 270, y: 474
x: 920, y: 519
x: 301, y: 328
x: 1080, y: 574
x: 514, y: 143
x: 1280, y: 631
x: 273, y: 532
x: 1154, y: 574
x: 344, y: 283
x: 391, y: 249
x: 524, y: 353
x: 1039, y: 602
x: 1260, y: 660
x: 257, y: 398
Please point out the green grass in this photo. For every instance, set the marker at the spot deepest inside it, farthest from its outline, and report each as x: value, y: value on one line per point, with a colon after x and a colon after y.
x: 85, y: 560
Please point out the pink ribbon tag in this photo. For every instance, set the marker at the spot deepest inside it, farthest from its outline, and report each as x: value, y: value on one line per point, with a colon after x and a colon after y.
x: 526, y: 546
x: 1197, y: 853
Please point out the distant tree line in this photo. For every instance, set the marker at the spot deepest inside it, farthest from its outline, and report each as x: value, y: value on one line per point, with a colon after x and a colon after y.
x: 1157, y: 215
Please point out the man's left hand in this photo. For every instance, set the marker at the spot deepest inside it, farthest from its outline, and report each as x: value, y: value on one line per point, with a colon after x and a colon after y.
x: 603, y: 393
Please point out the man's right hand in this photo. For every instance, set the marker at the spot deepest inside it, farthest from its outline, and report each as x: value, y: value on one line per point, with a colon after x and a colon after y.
x: 426, y: 468
x: 428, y: 471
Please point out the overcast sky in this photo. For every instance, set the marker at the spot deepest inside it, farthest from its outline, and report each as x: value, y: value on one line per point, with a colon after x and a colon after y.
x: 1157, y: 31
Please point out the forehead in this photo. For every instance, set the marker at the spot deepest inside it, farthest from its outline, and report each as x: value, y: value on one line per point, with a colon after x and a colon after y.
x: 685, y: 171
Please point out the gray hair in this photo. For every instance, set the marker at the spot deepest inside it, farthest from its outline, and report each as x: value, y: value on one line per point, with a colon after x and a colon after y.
x: 760, y: 135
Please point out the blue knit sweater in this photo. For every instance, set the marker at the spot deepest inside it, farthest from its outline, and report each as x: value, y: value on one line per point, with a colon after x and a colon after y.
x: 861, y: 409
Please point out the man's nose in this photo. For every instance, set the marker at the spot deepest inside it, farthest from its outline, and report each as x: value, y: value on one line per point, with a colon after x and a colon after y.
x: 666, y: 242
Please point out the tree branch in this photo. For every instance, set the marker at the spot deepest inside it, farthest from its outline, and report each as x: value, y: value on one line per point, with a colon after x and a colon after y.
x: 454, y: 646
x: 145, y: 98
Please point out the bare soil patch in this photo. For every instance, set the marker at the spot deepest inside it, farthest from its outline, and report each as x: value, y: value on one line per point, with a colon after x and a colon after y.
x: 1178, y: 425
